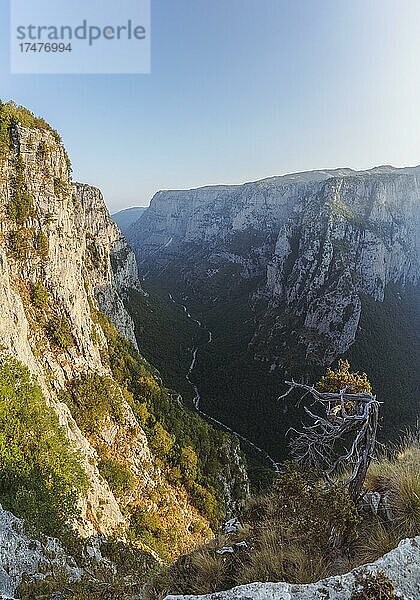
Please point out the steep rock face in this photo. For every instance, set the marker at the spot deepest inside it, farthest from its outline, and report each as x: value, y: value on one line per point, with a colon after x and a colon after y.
x: 353, y: 238
x: 313, y: 241
x: 114, y: 270
x: 48, y: 245
x: 62, y: 258
x: 214, y: 211
x: 66, y: 274
x: 21, y: 554
x: 400, y: 565
x: 208, y: 217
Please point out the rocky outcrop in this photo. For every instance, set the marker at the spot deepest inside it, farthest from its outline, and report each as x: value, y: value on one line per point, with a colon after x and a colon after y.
x: 21, y: 555
x: 401, y: 566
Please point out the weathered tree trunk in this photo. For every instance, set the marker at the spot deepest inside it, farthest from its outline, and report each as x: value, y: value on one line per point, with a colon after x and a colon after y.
x: 356, y: 486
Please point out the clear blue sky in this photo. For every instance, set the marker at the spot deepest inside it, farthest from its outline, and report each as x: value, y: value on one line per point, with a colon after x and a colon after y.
x: 240, y: 90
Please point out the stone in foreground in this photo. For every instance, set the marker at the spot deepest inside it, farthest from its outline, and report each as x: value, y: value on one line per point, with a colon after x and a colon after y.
x: 401, y: 565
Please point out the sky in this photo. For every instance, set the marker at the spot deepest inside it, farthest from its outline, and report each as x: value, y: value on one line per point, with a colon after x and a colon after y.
x: 239, y: 90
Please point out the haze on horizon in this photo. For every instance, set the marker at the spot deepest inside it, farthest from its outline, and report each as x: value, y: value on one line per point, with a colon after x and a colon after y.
x: 240, y: 91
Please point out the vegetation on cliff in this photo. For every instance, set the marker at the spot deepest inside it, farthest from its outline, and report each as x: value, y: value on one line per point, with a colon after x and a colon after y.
x: 12, y: 114
x: 41, y: 476
x: 190, y: 451
x: 307, y: 527
x: 299, y: 529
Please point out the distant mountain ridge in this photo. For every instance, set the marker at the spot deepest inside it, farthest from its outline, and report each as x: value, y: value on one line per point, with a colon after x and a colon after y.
x: 126, y: 217
x: 299, y: 176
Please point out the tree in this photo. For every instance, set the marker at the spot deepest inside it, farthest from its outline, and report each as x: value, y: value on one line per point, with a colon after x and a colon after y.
x: 188, y: 462
x: 161, y: 442
x: 341, y: 438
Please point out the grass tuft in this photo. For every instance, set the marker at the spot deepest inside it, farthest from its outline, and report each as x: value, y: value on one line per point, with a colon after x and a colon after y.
x: 396, y: 475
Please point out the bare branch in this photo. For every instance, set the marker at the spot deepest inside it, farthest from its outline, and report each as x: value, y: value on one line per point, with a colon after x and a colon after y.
x: 344, y: 417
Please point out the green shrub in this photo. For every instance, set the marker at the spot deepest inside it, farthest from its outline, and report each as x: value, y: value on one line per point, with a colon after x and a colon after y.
x: 21, y: 204
x: 39, y: 296
x: 206, y: 502
x: 144, y: 522
x: 343, y: 378
x: 21, y: 243
x: 120, y: 478
x: 60, y: 187
x: 42, y: 152
x: 42, y: 244
x: 92, y: 398
x: 59, y: 332
x: 5, y: 124
x: 94, y: 336
x: 21, y: 207
x: 142, y: 413
x: 161, y: 441
x: 188, y: 462
x: 41, y: 477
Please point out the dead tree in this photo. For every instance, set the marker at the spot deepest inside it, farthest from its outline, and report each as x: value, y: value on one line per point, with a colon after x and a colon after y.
x: 342, y: 437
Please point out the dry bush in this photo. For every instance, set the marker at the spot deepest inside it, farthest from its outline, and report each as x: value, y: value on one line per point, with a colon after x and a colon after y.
x: 404, y: 499
x: 289, y: 534
x: 374, y: 586
x: 264, y: 561
x: 201, y: 572
x: 396, y: 476
x: 301, y: 532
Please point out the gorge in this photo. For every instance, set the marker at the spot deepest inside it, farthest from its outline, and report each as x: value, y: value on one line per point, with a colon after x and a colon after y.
x: 140, y: 377
x: 291, y: 273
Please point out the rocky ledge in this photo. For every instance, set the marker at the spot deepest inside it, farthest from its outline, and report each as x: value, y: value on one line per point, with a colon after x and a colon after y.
x: 401, y: 565
x: 21, y: 555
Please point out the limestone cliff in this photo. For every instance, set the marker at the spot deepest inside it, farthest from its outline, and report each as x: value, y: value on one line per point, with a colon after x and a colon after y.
x: 316, y: 241
x: 46, y: 244
x: 354, y: 237
x: 114, y: 270
x: 65, y: 274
